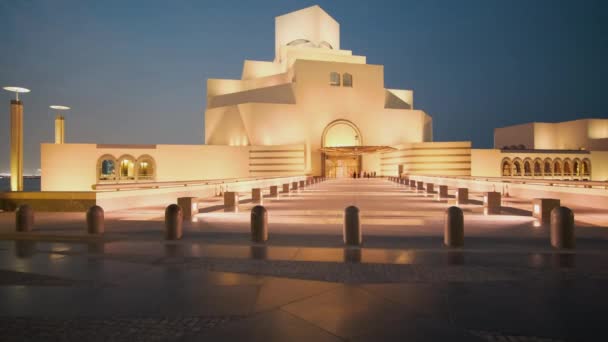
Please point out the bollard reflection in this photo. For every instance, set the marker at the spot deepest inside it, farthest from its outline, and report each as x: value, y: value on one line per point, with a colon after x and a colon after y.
x: 173, y: 250
x: 173, y: 269
x: 25, y: 248
x: 563, y: 260
x: 257, y: 252
x: 352, y: 255
x: 455, y: 258
x: 95, y: 247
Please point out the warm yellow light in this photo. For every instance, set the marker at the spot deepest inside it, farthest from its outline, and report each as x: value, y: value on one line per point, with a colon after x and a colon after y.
x: 536, y: 209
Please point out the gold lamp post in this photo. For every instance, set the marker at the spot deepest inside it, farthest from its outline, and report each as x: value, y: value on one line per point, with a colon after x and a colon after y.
x: 16, y: 134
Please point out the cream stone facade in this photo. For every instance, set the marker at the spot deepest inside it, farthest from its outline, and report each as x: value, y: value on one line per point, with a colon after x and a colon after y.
x: 570, y: 150
x: 583, y: 134
x: 314, y: 94
x: 317, y: 109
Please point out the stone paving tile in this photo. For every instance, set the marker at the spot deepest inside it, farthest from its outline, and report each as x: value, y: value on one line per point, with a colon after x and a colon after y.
x: 276, y: 292
x: 365, y: 273
x: 426, y: 300
x: 498, y: 337
x: 128, y: 329
x: 12, y: 278
x: 420, y: 330
x: 276, y: 325
x: 348, y: 311
x: 569, y: 309
x: 507, y: 284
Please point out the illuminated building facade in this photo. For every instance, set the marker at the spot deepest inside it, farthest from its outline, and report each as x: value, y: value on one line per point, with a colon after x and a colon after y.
x: 318, y: 109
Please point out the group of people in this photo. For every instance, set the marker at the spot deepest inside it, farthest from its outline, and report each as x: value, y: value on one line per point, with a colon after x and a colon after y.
x: 365, y: 174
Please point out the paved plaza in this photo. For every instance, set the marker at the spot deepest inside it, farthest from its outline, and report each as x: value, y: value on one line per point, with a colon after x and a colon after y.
x: 506, y: 284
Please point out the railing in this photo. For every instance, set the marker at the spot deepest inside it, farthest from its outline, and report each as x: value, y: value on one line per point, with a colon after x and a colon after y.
x: 175, y: 184
x: 523, y: 180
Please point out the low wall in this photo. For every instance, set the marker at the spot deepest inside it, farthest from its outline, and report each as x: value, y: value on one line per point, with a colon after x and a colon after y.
x: 48, y: 200
x: 114, y: 200
x: 589, y: 197
x: 72, y: 201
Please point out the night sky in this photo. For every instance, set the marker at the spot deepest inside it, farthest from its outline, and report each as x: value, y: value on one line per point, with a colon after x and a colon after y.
x: 135, y: 71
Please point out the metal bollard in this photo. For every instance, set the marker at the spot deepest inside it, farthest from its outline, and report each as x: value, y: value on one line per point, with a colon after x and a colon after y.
x: 351, y: 231
x: 562, y: 228
x: 462, y: 196
x: 443, y: 191
x: 274, y: 191
x: 189, y: 206
x: 259, y: 224
x: 24, y: 218
x: 491, y: 202
x: 173, y: 222
x: 257, y: 196
x: 420, y: 186
x: 453, y: 233
x: 95, y: 220
x: 231, y: 201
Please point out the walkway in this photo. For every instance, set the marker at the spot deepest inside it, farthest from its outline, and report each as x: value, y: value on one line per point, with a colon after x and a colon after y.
x: 303, y: 285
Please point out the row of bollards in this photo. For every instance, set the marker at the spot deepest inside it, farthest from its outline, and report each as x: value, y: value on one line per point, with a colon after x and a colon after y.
x: 24, y: 219
x: 174, y: 215
x: 561, y: 220
x: 547, y: 210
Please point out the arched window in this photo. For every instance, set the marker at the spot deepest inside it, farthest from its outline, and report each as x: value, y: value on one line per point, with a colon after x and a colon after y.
x: 576, y: 167
x: 126, y: 168
x: 517, y: 167
x: 506, y: 167
x: 547, y: 170
x: 106, y: 168
x: 567, y: 167
x: 557, y: 167
x: 146, y: 168
x: 347, y: 80
x: 586, y: 167
x: 538, y: 169
x: 334, y: 79
x: 528, y: 168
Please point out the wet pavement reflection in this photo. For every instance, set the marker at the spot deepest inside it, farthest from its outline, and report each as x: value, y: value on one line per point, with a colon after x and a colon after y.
x: 402, y: 283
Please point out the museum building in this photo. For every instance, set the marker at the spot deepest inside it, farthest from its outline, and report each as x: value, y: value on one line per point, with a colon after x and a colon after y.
x: 318, y: 109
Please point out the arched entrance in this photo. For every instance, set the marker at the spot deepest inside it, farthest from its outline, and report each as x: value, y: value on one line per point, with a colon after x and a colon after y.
x: 341, y: 133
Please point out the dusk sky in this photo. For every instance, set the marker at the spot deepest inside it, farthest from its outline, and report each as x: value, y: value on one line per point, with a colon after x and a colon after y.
x: 135, y: 71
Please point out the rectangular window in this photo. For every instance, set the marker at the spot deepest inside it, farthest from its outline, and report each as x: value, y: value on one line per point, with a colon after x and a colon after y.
x: 347, y: 80
x: 334, y: 79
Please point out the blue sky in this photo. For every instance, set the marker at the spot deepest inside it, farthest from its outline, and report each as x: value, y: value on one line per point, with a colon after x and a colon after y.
x: 135, y: 71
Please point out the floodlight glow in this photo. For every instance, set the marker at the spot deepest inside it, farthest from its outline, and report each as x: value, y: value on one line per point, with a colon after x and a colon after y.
x: 59, y: 107
x: 16, y: 90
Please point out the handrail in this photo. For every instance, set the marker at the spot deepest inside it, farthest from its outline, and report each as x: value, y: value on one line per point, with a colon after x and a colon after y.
x: 174, y: 184
x: 523, y: 180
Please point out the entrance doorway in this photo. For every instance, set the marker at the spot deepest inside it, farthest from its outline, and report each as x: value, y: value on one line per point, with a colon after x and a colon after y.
x: 341, y: 133
x: 341, y: 166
